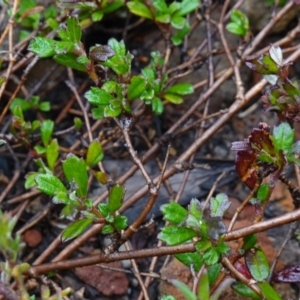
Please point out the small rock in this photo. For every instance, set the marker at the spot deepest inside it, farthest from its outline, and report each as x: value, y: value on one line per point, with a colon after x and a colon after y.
x: 32, y: 237
x: 107, y: 282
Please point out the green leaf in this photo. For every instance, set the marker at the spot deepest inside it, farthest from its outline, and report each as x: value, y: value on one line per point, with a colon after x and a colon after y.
x: 173, y: 98
x: 97, y: 16
x: 165, y: 297
x: 69, y: 60
x: 45, y: 106
x: 63, y: 47
x: 244, y: 290
x: 24, y: 105
x: 2, y: 78
x: 175, y: 235
x: 236, y: 29
x: 139, y: 9
x: 178, y: 37
x: 268, y: 292
x: 213, y: 273
x: 173, y: 212
x: 283, y: 137
x: 164, y: 18
x: 47, y: 128
x: 30, y: 180
x: 118, y: 47
x: 52, y: 153
x: 160, y: 5
x: 110, y: 111
x: 188, y: 6
x: 249, y: 241
x: 115, y: 198
x: 219, y: 205
x: 74, y: 29
x: 103, y: 208
x: 136, y: 87
x: 191, y: 259
x: 177, y: 21
x: 222, y: 247
x: 42, y: 47
x: 211, y: 256
x: 78, y: 123
x: 61, y: 198
x: 203, y: 287
x: 112, y: 6
x: 49, y: 184
x: 157, y: 106
x: 257, y: 264
x: 75, y: 229
x: 184, y: 289
x: 98, y: 96
x: 120, y: 222
x: 75, y: 170
x: 195, y: 209
x: 181, y: 89
x: 263, y: 192
x: 94, y: 153
x: 203, y: 245
x: 107, y: 229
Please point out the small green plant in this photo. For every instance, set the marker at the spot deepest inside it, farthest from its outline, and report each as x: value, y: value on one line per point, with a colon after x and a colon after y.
x: 239, y: 23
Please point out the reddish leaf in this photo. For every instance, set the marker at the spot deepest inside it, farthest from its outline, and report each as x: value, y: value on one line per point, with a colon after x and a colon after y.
x: 288, y: 274
x: 242, y: 269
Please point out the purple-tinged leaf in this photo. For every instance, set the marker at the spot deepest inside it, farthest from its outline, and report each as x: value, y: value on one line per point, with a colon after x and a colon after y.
x: 101, y: 53
x: 257, y: 264
x: 288, y: 274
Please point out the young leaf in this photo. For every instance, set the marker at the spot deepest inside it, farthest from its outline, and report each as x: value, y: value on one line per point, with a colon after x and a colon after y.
x: 157, y: 106
x: 42, y: 47
x: 175, y: 235
x: 24, y: 105
x: 173, y: 98
x: 94, y: 153
x: 188, y: 6
x: 184, y: 289
x: 173, y: 212
x: 181, y: 89
x: 139, y: 9
x: 101, y: 53
x: 288, y: 274
x: 250, y: 241
x: 213, y: 273
x: 136, y: 87
x: 98, y: 96
x: 177, y: 21
x: 52, y: 153
x: 211, y: 256
x: 75, y: 169
x: 46, y: 131
x: 115, y: 198
x: 257, y: 264
x: 276, y: 54
x: 30, y: 180
x: 107, y: 229
x: 283, y: 137
x: 74, y: 29
x: 219, y: 205
x: 75, y: 229
x: 263, y: 192
x: 49, y: 184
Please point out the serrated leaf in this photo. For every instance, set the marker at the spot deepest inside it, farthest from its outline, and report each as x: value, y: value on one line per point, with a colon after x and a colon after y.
x: 219, y: 205
x: 42, y: 47
x: 211, y: 256
x: 74, y: 29
x: 191, y: 259
x: 61, y: 197
x: 268, y: 292
x: 52, y: 153
x: 203, y: 245
x: 63, y: 47
x: 98, y: 96
x: 139, y: 9
x: 47, y: 128
x: 184, y: 289
x: 75, y: 229
x: 257, y: 264
x: 195, y: 209
x: 175, y: 235
x: 112, y: 111
x: 118, y: 47
x: 181, y: 89
x: 283, y: 137
x: 75, y: 170
x: 69, y: 60
x: 115, y: 198
x: 244, y: 290
x: 103, y: 208
x: 173, y: 212
x: 94, y: 153
x: 49, y: 184
x: 136, y: 87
